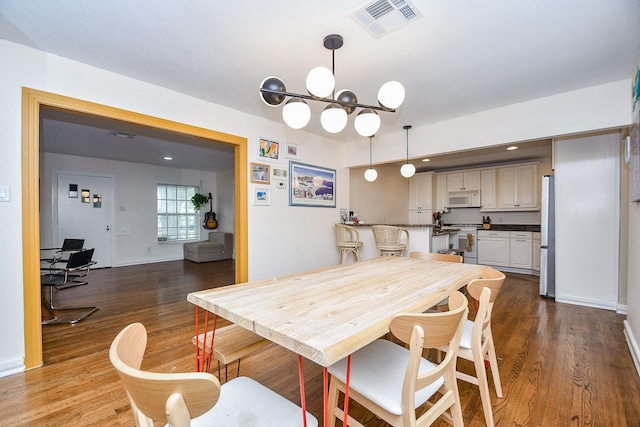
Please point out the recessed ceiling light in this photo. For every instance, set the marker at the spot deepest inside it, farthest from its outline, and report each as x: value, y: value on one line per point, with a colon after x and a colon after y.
x: 426, y: 160
x: 168, y: 158
x: 513, y: 147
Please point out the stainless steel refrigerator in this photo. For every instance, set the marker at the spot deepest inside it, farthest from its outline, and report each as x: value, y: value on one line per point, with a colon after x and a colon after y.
x: 547, y: 239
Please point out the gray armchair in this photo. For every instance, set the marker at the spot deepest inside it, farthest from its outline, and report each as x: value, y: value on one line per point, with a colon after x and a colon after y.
x: 217, y: 247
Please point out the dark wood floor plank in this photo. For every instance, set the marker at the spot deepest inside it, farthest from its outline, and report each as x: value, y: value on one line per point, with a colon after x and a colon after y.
x: 560, y: 365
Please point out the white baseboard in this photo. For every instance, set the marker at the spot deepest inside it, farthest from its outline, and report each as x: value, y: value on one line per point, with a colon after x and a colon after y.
x: 11, y: 367
x: 633, y: 345
x: 621, y: 309
x: 606, y: 305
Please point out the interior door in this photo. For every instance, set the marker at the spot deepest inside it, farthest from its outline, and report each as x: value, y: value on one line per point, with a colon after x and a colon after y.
x: 84, y: 211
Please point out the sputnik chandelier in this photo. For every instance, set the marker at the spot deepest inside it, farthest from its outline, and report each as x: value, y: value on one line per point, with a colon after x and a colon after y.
x: 321, y: 87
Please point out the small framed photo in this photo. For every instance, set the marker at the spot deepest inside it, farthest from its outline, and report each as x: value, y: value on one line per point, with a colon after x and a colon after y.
x: 293, y: 151
x: 280, y: 174
x: 260, y: 173
x: 268, y: 150
x: 261, y: 196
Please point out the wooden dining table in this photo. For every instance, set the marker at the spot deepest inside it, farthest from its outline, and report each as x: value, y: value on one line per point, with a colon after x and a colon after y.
x: 327, y: 314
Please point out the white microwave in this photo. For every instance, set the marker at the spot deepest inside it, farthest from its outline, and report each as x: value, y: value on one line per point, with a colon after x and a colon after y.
x: 463, y: 199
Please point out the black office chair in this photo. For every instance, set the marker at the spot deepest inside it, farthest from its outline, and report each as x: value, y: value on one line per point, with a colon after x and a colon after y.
x: 78, y: 266
x: 61, y: 255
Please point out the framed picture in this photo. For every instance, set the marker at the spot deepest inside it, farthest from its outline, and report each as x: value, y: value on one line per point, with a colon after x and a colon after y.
x: 261, y: 196
x: 260, y: 173
x: 268, y: 150
x: 280, y: 173
x: 293, y: 151
x: 311, y: 185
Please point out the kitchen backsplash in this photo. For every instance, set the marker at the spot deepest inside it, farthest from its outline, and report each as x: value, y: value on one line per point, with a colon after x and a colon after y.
x: 474, y: 216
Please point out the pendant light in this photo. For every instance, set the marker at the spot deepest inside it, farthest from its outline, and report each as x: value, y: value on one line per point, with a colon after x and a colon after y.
x: 370, y: 174
x: 407, y: 170
x: 321, y: 86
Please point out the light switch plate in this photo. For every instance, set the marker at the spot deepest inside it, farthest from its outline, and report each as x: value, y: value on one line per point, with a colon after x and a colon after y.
x: 5, y: 195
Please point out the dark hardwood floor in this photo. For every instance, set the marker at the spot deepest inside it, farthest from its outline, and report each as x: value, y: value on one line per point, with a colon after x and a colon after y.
x: 561, y: 365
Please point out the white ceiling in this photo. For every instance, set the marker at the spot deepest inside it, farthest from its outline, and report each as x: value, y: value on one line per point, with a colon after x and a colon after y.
x: 459, y: 57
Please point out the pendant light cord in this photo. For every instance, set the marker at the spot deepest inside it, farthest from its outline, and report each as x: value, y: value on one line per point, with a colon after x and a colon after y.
x: 370, y: 157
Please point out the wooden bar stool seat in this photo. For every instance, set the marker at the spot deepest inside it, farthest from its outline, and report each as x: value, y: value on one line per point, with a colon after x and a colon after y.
x: 231, y: 343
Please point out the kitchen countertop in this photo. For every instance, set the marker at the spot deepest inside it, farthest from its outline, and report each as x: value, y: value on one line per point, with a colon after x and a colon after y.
x: 394, y: 225
x: 514, y: 227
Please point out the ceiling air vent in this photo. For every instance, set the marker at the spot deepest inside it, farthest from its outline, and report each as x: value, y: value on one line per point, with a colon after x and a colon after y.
x: 383, y: 16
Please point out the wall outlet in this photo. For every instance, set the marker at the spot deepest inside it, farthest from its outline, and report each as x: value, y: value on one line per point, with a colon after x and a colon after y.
x: 124, y: 231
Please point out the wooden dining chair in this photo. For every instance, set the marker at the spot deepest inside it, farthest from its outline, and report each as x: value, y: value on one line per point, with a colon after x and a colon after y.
x: 389, y: 241
x: 231, y: 344
x: 440, y: 305
x: 392, y: 381
x: 195, y: 399
x: 436, y: 256
x: 477, y: 343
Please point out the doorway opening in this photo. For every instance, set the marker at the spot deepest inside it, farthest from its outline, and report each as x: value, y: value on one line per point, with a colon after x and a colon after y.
x: 33, y: 100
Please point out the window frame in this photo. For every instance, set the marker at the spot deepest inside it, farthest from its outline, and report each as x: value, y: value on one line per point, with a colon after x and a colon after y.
x: 177, y: 219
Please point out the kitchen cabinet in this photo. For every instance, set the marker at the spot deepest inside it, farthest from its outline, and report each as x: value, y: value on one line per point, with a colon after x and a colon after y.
x: 463, y: 181
x: 441, y: 192
x: 520, y: 249
x: 421, y: 198
x: 518, y: 187
x: 493, y: 248
x: 535, y: 247
x: 488, y: 200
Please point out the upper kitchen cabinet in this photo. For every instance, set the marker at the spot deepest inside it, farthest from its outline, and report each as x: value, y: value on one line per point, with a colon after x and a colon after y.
x: 441, y: 192
x: 488, y: 199
x: 463, y: 181
x: 518, y: 187
x: 421, y: 198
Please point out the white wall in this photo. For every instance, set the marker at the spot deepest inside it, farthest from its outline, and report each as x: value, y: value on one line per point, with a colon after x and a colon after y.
x: 133, y: 205
x: 632, y: 324
x: 282, y: 239
x: 587, y: 194
x: 599, y: 107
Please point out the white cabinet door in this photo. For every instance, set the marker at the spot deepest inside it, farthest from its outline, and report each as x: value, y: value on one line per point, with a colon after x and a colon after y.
x: 421, y: 191
x: 527, y: 190
x: 488, y: 189
x: 441, y: 192
x: 460, y: 181
x: 535, y: 247
x: 493, y: 248
x: 518, y: 188
x: 520, y: 250
x: 421, y: 216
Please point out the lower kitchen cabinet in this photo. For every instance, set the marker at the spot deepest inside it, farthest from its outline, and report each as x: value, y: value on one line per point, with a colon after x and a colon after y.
x: 535, y: 247
x: 520, y: 250
x: 493, y: 248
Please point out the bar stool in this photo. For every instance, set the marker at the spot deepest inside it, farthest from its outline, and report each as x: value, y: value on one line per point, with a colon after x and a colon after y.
x: 348, y: 240
x: 389, y: 239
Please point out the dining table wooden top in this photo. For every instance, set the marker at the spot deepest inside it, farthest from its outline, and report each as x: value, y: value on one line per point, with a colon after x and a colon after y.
x: 327, y: 314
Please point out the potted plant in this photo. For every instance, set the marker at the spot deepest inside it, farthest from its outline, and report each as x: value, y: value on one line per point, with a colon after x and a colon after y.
x: 198, y: 200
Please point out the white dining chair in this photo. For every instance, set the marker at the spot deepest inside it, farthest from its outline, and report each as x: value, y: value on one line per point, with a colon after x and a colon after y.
x: 392, y: 381
x: 477, y: 343
x: 195, y: 399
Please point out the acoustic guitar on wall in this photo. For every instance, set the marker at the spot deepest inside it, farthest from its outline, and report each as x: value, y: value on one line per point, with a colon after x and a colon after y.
x: 210, y: 222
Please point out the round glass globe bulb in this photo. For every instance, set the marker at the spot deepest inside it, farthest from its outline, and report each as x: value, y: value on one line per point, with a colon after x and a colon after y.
x: 367, y: 122
x: 333, y: 118
x: 320, y: 82
x: 391, y: 94
x: 296, y: 113
x: 370, y: 175
x: 407, y: 170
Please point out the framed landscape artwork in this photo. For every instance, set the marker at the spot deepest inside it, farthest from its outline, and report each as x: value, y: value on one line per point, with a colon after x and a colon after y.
x: 311, y: 185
